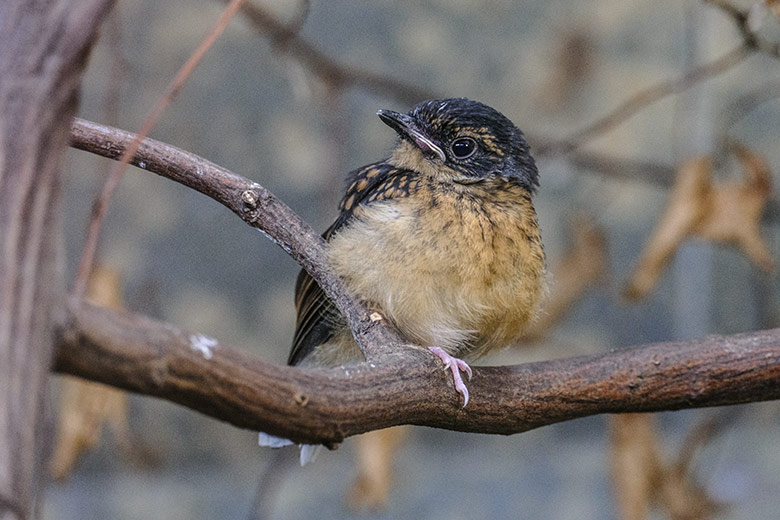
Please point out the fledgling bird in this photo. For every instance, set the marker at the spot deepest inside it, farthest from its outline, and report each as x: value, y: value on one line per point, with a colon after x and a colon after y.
x: 441, y: 238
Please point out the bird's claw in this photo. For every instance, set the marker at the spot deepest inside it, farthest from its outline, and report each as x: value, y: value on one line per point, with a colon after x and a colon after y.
x: 455, y: 365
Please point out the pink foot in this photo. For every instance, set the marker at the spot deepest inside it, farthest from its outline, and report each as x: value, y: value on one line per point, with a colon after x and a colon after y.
x: 455, y: 365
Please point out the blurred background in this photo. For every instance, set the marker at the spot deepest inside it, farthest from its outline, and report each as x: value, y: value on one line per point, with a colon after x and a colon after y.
x: 287, y: 97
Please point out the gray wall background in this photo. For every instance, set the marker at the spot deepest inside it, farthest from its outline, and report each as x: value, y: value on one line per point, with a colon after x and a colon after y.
x: 247, y: 107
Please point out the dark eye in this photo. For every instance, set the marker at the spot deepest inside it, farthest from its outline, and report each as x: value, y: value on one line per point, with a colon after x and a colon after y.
x: 463, y: 148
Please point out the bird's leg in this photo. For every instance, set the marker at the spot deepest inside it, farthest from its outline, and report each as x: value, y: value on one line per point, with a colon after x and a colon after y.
x: 455, y: 365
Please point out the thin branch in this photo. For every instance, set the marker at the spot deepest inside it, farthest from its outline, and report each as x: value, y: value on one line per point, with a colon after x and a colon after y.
x: 751, y: 42
x: 327, y: 405
x: 286, y: 38
x: 408, y: 386
x: 653, y: 173
x: 257, y: 206
x: 741, y: 19
x: 100, y: 205
x: 624, y: 169
x: 743, y: 106
x: 296, y: 24
x: 646, y: 97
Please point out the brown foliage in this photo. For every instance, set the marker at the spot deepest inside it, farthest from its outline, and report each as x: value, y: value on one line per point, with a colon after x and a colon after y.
x: 720, y: 212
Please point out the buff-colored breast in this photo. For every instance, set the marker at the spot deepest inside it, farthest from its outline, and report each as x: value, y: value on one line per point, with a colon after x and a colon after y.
x: 459, y: 267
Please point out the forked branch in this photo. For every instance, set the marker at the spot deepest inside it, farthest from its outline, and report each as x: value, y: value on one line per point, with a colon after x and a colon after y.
x: 325, y: 406
x: 402, y: 384
x: 257, y: 206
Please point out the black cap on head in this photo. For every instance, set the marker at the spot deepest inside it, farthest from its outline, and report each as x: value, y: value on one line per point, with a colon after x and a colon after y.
x: 443, y: 129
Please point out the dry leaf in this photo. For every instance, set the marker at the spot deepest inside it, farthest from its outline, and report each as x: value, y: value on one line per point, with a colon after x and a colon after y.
x: 572, y: 66
x: 375, y: 452
x: 581, y: 267
x: 641, y: 478
x: 86, y: 407
x: 727, y: 213
x: 635, y: 464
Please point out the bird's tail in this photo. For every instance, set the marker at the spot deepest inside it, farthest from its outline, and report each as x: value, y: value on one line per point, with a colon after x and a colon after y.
x: 309, y: 452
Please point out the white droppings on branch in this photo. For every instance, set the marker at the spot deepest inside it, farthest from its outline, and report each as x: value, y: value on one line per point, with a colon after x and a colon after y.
x: 203, y: 344
x: 285, y: 247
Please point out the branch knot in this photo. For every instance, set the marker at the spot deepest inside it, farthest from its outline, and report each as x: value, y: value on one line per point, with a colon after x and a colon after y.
x: 250, y: 198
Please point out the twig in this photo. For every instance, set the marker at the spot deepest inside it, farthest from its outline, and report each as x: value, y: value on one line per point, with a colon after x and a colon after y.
x: 296, y: 24
x: 657, y: 174
x: 327, y: 405
x: 101, y: 203
x: 624, y: 169
x: 703, y: 432
x: 286, y: 39
x: 645, y: 98
x: 750, y: 43
x: 743, y: 106
x: 257, y: 206
x: 749, y: 37
x: 117, y: 68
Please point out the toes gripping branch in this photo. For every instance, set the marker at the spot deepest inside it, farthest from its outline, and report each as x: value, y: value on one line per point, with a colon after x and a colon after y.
x: 455, y: 365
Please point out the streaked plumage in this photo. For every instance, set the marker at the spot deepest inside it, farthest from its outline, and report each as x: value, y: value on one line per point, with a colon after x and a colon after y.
x: 449, y: 251
x: 441, y: 238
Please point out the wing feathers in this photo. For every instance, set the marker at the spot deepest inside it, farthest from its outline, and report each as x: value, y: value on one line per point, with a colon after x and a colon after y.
x: 317, y: 316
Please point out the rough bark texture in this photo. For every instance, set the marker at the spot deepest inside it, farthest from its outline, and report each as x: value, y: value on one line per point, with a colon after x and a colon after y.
x: 325, y: 406
x: 404, y: 385
x: 43, y: 49
x: 257, y: 206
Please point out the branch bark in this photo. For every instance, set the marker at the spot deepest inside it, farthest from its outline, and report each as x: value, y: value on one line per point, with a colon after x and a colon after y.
x: 44, y: 45
x: 406, y: 387
x: 257, y: 206
x: 325, y: 406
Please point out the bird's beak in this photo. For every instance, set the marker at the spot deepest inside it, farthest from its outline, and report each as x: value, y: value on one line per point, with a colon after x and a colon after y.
x: 406, y: 127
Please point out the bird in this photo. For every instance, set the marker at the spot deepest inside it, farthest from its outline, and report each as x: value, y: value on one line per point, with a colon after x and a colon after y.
x: 441, y: 238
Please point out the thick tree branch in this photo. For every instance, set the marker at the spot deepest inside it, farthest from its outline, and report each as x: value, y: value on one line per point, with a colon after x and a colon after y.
x: 44, y: 45
x: 257, y: 206
x: 407, y: 386
x: 157, y: 359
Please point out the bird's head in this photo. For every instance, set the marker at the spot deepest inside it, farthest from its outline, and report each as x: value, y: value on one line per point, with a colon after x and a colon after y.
x: 463, y: 141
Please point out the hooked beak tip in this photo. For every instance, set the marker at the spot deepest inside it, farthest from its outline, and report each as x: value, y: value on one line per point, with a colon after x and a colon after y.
x: 404, y: 125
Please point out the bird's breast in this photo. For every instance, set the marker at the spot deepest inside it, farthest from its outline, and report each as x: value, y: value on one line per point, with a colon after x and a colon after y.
x: 458, y: 269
